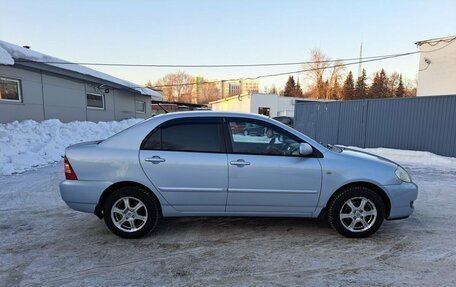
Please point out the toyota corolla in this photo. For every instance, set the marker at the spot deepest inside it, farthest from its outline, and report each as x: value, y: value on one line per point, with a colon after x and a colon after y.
x: 199, y: 164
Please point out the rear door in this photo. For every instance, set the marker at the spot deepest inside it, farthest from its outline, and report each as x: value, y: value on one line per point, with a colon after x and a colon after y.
x: 266, y: 172
x: 185, y: 159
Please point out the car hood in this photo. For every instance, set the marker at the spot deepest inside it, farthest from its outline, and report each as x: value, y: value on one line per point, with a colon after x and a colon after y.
x: 353, y: 153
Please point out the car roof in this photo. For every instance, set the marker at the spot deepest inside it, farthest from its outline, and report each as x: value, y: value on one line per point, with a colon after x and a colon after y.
x: 190, y: 114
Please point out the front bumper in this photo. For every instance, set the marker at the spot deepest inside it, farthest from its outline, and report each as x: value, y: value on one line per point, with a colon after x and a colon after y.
x: 402, y: 197
x: 82, y: 195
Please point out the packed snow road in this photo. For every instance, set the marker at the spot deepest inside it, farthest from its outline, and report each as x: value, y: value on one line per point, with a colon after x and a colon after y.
x: 43, y: 242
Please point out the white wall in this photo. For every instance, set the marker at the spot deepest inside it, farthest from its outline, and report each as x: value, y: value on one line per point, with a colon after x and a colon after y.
x: 233, y: 104
x: 439, y: 77
x: 279, y: 106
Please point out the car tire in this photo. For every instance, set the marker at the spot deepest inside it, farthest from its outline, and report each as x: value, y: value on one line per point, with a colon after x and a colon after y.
x: 356, y: 212
x: 131, y: 212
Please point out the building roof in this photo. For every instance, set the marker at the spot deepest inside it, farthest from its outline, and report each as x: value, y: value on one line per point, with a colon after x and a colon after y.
x: 436, y: 40
x: 259, y: 94
x: 11, y: 54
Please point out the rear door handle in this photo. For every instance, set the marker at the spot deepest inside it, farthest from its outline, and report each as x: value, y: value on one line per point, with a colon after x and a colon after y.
x: 240, y: 162
x: 155, y: 159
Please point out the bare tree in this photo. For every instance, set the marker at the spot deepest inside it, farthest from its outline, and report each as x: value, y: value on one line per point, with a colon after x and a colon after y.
x: 207, y: 92
x: 324, y: 81
x: 317, y: 67
x: 392, y: 83
x: 176, y: 87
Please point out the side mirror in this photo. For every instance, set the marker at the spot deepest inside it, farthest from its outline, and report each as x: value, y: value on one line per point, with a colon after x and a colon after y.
x: 305, y: 149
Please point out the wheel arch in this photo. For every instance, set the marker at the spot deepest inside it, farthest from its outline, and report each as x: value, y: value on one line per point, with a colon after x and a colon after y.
x: 377, y: 189
x: 99, y: 208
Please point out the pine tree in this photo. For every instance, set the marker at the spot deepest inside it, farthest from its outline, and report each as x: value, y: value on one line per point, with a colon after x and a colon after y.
x: 361, y: 86
x: 400, y: 91
x: 298, y: 91
x: 379, y: 87
x: 348, y: 89
x: 375, y: 89
x: 384, y: 85
x: 290, y: 87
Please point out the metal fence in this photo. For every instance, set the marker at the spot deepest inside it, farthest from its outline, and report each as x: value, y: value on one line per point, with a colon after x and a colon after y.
x: 421, y: 123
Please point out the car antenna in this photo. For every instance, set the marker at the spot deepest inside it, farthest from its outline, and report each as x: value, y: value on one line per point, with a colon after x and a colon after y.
x: 162, y: 108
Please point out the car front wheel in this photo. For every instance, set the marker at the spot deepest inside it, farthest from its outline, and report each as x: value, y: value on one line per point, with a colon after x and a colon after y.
x: 356, y: 212
x: 131, y: 212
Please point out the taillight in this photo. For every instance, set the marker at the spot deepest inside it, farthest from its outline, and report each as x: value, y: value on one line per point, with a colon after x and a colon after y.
x: 69, y: 172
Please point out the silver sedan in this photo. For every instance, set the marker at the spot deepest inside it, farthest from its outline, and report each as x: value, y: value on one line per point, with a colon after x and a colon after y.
x: 205, y: 164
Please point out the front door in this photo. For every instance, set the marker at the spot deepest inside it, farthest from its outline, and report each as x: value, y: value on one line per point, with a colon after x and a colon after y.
x: 187, y: 163
x: 266, y: 172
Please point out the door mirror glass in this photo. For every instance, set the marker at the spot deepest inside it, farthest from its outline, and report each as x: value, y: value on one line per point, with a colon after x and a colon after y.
x: 305, y: 149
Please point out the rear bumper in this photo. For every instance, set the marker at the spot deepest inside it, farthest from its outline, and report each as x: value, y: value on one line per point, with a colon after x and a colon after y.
x: 82, y: 195
x: 402, y: 197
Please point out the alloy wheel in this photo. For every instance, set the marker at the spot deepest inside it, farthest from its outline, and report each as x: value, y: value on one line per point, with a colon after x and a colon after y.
x: 358, y: 214
x: 129, y: 214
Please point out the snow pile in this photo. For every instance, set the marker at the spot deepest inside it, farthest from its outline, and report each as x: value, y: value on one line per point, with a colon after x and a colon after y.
x: 5, y: 57
x: 9, y: 52
x: 29, y: 144
x: 410, y: 157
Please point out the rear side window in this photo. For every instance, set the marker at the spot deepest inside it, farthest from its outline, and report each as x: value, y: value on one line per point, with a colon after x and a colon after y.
x: 192, y: 137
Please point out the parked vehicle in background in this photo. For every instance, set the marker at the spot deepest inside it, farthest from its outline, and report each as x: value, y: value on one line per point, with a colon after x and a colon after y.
x: 289, y: 121
x: 254, y: 129
x: 238, y: 128
x: 193, y: 164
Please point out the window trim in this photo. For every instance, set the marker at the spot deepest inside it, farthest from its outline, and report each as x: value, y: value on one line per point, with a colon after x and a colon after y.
x: 19, y: 89
x: 96, y: 108
x: 173, y: 122
x: 145, y: 108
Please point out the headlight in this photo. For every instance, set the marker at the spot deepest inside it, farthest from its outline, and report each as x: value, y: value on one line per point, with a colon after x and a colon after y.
x: 403, y: 175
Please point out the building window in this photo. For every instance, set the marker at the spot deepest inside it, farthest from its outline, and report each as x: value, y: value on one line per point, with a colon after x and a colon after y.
x: 140, y: 106
x: 95, y: 101
x: 10, y: 90
x: 264, y: 111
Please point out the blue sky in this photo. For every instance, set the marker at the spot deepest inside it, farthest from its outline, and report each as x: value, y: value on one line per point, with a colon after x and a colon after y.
x: 212, y: 32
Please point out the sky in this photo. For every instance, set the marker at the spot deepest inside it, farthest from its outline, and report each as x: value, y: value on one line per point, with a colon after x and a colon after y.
x: 225, y: 32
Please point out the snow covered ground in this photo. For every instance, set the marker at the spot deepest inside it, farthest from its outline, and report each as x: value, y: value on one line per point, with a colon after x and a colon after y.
x: 43, y: 242
x: 29, y: 144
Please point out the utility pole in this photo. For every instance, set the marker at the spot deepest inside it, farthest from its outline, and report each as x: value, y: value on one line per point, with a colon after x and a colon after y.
x: 360, y: 58
x: 221, y: 88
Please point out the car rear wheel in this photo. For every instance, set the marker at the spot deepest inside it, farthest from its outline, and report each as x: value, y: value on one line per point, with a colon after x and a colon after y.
x: 356, y: 212
x: 131, y: 212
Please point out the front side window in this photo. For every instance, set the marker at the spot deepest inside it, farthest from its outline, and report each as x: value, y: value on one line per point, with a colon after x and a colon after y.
x: 95, y: 101
x: 10, y: 90
x: 253, y: 137
x: 140, y: 106
x: 191, y: 137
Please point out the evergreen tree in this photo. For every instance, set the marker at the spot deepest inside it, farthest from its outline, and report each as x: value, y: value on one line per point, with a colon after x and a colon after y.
x: 348, y: 89
x: 361, y: 86
x: 374, y: 90
x: 400, y: 91
x: 290, y: 87
x: 379, y: 87
x: 298, y: 91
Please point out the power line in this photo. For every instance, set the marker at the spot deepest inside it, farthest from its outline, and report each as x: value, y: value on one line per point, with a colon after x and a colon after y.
x: 289, y: 73
x: 205, y: 66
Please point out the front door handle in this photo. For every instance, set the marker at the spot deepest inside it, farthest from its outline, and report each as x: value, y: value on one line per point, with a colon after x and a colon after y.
x: 240, y: 162
x: 155, y: 159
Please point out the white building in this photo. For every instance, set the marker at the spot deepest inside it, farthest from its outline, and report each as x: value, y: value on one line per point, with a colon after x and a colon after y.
x: 266, y: 104
x: 437, y: 69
